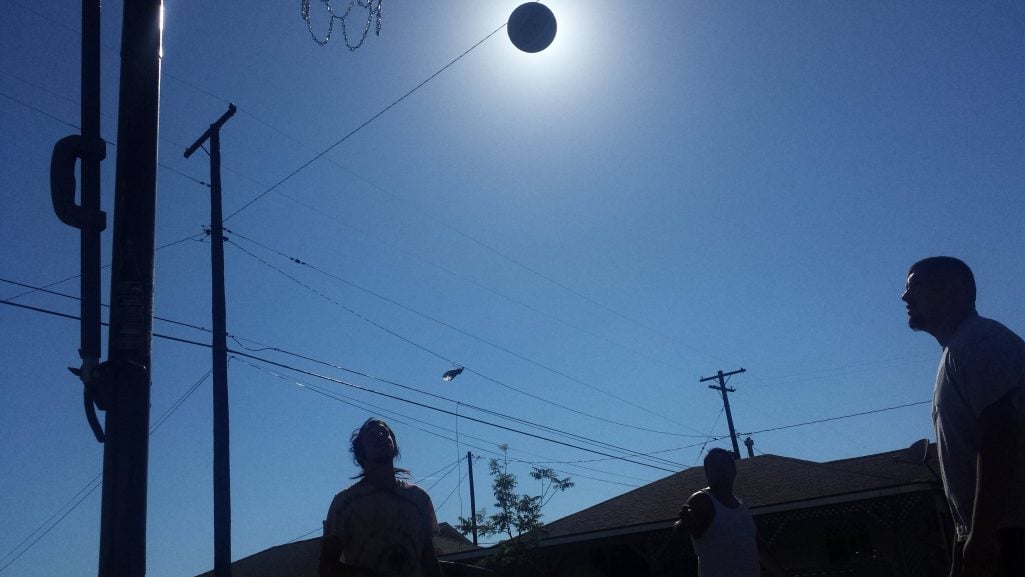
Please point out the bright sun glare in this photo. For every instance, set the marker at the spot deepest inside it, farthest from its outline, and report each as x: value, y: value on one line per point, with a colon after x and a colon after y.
x: 570, y: 58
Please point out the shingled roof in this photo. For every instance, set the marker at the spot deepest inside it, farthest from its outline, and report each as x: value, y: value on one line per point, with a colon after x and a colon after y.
x: 766, y: 483
x: 301, y: 558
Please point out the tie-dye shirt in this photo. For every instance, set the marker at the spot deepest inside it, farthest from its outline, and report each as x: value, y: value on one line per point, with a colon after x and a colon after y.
x: 383, y: 529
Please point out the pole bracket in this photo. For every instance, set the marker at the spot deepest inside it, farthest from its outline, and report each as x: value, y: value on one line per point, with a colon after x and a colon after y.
x: 62, y: 181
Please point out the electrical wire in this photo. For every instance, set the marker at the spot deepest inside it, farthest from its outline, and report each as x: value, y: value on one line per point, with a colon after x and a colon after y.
x: 361, y: 126
x: 55, y: 313
x: 434, y: 265
x: 73, y: 317
x: 90, y: 487
x: 406, y: 387
x: 462, y: 332
x: 439, y: 221
x: 451, y: 413
x: 402, y: 418
x: 451, y: 467
x: 111, y: 143
x: 836, y: 418
x: 489, y: 412
x: 445, y: 500
x: 716, y: 423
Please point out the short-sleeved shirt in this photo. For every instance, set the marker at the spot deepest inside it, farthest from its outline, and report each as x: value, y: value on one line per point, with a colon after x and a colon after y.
x: 383, y: 529
x: 983, y: 362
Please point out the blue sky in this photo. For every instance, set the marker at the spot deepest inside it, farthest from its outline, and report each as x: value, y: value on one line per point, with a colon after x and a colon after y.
x: 662, y: 193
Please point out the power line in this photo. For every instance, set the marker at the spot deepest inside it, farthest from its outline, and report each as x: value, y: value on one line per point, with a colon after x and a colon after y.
x: 711, y: 439
x: 186, y: 341
x: 836, y: 418
x: 434, y: 265
x: 398, y: 417
x: 848, y: 369
x: 393, y: 397
x: 111, y: 143
x: 445, y: 500
x: 451, y: 413
x: 394, y: 383
x: 91, y: 486
x: 445, y: 411
x: 73, y: 317
x: 480, y: 409
x: 458, y: 330
x: 361, y: 126
x: 442, y: 222
x: 451, y: 467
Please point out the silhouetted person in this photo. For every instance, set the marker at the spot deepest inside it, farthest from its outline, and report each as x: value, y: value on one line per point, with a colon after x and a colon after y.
x: 979, y: 413
x: 381, y: 526
x: 720, y: 526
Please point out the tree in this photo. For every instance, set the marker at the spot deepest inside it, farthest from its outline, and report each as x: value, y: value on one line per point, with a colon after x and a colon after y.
x: 517, y: 514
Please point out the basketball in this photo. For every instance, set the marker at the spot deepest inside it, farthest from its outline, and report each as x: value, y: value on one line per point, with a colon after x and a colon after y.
x: 531, y: 27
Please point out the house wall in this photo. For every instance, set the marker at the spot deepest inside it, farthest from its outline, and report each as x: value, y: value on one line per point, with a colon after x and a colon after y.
x: 897, y: 536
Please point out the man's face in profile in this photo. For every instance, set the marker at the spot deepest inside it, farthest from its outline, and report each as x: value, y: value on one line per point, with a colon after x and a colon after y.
x: 928, y: 302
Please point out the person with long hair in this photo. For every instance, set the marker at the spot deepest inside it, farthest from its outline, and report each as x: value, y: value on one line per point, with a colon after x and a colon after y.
x: 382, y: 525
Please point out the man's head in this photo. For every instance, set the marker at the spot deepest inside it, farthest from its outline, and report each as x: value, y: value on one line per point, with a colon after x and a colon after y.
x: 374, y: 442
x: 720, y: 468
x: 940, y: 292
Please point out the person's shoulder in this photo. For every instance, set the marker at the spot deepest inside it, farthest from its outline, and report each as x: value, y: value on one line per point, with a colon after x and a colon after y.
x: 978, y: 329
x: 354, y: 490
x: 700, y: 498
x: 984, y: 340
x: 358, y: 486
x: 413, y: 491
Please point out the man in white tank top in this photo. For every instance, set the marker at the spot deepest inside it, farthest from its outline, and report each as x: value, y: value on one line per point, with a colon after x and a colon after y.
x: 720, y: 526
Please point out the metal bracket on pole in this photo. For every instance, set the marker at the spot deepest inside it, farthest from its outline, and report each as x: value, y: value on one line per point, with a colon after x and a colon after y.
x: 66, y: 153
x: 91, y: 221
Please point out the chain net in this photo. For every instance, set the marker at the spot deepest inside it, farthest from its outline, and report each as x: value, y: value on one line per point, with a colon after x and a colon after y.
x: 373, y: 12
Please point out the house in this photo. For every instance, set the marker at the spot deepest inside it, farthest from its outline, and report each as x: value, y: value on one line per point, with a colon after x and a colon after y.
x: 881, y: 515
x: 878, y: 515
x: 301, y: 558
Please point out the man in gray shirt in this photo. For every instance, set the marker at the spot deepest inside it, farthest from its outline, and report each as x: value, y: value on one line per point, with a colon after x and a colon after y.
x: 979, y: 414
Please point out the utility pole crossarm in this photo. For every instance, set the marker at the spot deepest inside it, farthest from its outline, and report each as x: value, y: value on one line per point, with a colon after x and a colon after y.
x: 215, y: 127
x: 721, y: 375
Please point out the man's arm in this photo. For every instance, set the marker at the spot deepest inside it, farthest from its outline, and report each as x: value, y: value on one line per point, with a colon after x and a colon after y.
x: 696, y: 516
x: 999, y: 428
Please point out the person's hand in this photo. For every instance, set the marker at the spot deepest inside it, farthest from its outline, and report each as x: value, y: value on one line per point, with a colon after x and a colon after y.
x: 981, y: 555
x: 684, y: 523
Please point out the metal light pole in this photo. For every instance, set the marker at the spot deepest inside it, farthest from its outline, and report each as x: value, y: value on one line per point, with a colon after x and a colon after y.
x: 121, y: 385
x: 128, y: 369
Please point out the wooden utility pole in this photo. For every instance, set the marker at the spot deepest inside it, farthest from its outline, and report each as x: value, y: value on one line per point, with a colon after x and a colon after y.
x: 473, y: 498
x: 722, y: 388
x: 222, y: 461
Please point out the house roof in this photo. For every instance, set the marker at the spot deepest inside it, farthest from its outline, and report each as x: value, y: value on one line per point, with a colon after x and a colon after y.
x: 301, y: 558
x: 765, y: 483
x: 449, y: 540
